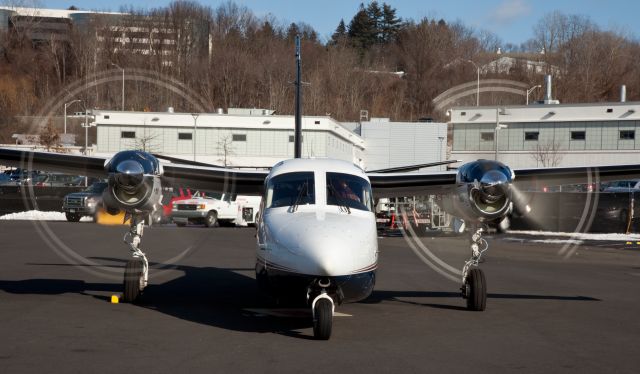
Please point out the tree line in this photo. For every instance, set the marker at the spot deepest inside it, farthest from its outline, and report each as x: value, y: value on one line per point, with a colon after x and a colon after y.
x: 230, y: 57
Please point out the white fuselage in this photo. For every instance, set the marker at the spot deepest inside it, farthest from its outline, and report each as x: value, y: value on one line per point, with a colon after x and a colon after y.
x: 317, y: 240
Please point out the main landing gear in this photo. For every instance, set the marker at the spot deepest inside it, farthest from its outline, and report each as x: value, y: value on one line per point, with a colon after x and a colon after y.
x: 474, y: 283
x: 136, y: 272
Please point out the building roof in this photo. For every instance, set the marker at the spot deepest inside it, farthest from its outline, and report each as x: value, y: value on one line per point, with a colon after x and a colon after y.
x: 612, y: 111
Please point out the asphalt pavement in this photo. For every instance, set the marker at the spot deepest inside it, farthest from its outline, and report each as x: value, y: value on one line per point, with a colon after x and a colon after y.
x: 550, y: 309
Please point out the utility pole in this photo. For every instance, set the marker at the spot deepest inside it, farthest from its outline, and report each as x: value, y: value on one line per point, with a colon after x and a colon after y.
x: 297, y: 137
x: 195, y: 127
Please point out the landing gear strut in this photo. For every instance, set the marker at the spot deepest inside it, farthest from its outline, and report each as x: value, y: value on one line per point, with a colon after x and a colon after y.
x: 474, y: 283
x: 136, y: 273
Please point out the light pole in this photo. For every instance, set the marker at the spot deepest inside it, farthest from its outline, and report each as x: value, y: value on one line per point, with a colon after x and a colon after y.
x: 531, y: 90
x: 195, y: 127
x: 116, y: 65
x: 478, y: 85
x: 65, y: 112
x: 497, y: 129
x: 441, y: 138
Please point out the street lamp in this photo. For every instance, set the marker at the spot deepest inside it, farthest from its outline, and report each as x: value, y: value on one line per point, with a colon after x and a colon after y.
x: 116, y: 65
x: 65, y: 112
x: 195, y: 127
x: 531, y: 90
x: 478, y: 85
x: 441, y: 138
x: 498, y: 128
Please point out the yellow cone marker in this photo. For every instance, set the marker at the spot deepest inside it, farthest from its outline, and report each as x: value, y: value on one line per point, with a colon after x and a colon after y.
x: 115, y: 299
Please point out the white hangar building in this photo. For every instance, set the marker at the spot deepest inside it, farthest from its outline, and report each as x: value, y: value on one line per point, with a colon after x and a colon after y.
x: 548, y: 134
x: 243, y: 137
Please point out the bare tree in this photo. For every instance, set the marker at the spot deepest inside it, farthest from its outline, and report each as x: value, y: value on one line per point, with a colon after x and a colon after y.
x: 49, y: 136
x: 225, y: 149
x: 547, y: 155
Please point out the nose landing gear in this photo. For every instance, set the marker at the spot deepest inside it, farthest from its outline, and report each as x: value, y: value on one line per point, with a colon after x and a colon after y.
x: 322, y: 309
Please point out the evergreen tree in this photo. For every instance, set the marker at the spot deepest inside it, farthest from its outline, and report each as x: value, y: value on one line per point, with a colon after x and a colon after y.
x: 375, y: 19
x: 391, y: 24
x: 362, y: 33
x: 340, y: 34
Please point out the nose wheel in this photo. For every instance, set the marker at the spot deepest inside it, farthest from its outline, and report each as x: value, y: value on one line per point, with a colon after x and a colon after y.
x: 322, y: 308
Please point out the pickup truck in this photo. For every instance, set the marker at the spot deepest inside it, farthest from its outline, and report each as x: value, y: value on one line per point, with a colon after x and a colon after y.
x: 84, y: 203
x: 213, y: 209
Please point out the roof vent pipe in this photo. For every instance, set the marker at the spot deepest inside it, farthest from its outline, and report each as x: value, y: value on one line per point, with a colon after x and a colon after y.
x: 623, y: 93
x: 547, y: 82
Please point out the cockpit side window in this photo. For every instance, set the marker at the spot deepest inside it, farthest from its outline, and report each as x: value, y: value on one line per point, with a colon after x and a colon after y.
x: 349, y: 190
x: 290, y: 189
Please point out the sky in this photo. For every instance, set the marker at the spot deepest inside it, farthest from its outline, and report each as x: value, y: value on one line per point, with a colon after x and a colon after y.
x: 511, y: 20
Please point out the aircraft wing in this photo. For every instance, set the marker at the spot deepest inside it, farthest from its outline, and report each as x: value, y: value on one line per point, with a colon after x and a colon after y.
x: 434, y: 183
x: 208, y: 178
x: 54, y: 162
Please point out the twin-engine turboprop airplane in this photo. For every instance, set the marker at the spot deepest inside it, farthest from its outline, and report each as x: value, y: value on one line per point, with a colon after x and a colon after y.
x: 316, y: 238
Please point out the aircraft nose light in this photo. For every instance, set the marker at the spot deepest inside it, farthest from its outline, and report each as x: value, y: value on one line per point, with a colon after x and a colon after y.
x: 129, y: 174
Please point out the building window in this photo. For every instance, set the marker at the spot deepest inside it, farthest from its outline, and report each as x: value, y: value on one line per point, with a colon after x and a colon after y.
x: 463, y: 113
x: 578, y: 135
x: 317, y: 122
x: 292, y: 138
x: 185, y: 136
x: 532, y: 135
x: 627, y: 134
x: 609, y: 110
x: 106, y: 117
x: 239, y: 137
x: 486, y: 136
x: 128, y: 134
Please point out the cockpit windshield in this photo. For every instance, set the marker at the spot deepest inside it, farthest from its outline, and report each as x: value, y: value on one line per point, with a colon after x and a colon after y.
x: 349, y: 191
x: 291, y: 189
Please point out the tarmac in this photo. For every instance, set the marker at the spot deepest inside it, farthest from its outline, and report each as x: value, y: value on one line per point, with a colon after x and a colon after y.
x: 547, y: 311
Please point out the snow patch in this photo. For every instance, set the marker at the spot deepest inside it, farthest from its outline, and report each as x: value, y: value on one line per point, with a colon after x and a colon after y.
x: 579, y: 236
x: 36, y: 215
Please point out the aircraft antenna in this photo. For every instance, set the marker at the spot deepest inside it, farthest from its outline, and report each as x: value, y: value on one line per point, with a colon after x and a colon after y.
x: 297, y: 138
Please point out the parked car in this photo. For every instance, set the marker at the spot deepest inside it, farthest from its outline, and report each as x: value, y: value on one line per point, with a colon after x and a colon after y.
x: 52, y: 180
x: 631, y: 185
x: 84, y: 203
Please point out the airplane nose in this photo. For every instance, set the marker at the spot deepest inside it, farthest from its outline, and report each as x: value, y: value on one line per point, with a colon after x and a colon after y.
x: 336, y: 246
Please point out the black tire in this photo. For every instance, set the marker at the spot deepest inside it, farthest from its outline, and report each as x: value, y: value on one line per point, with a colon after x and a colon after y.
x: 323, y: 319
x: 71, y: 217
x: 211, y: 220
x: 476, y: 285
x: 132, y: 279
x: 181, y: 224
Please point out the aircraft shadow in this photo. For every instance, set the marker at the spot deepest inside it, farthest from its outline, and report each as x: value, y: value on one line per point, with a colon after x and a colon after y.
x: 221, y: 298
x: 378, y: 296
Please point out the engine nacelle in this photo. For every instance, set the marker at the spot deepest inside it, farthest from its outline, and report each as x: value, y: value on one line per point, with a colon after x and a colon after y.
x: 483, y: 192
x: 134, y: 183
